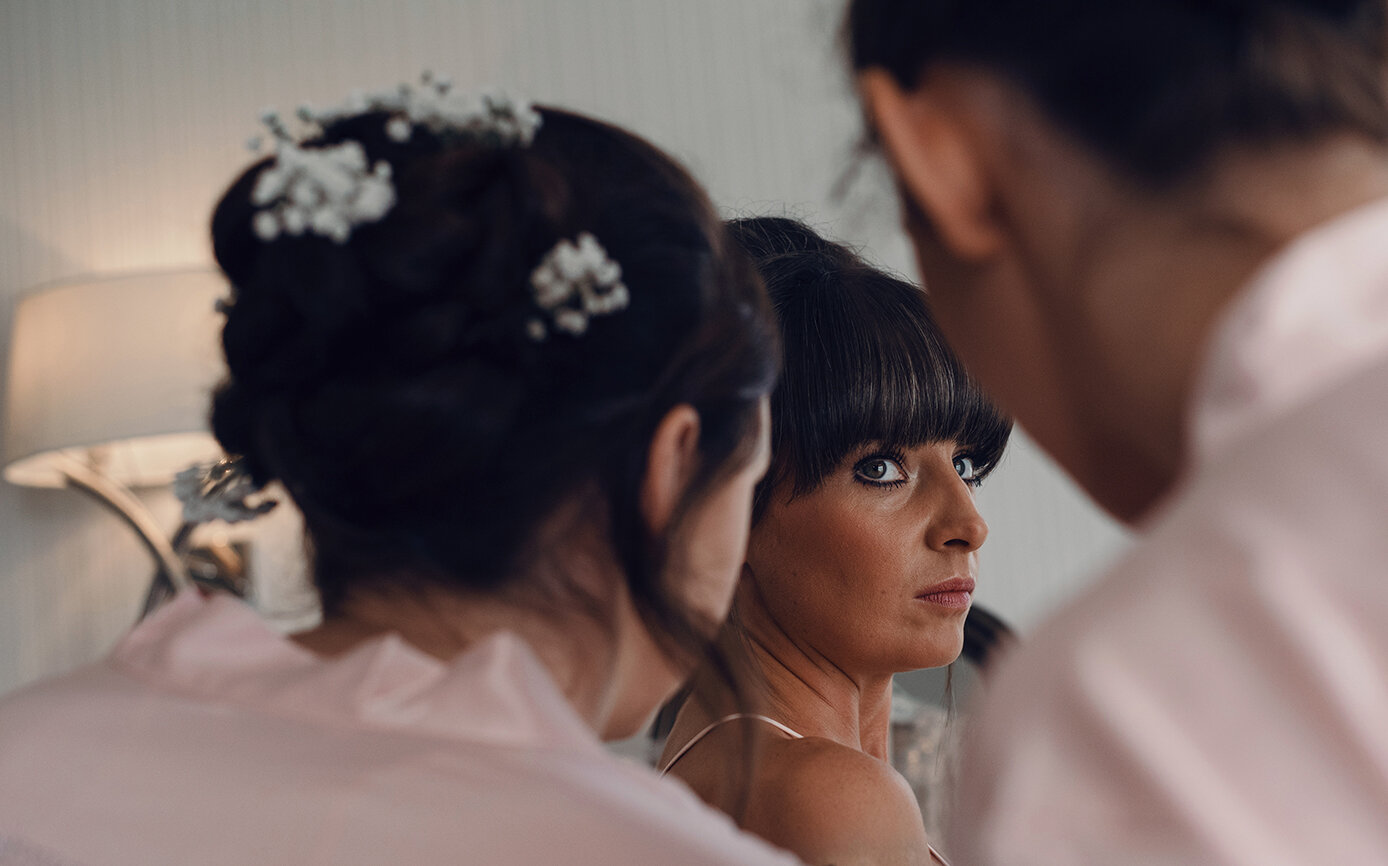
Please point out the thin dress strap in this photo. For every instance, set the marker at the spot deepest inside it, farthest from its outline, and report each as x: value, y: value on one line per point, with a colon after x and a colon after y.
x: 731, y: 717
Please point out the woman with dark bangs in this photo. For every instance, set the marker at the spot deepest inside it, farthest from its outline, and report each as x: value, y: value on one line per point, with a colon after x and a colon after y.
x: 862, y: 560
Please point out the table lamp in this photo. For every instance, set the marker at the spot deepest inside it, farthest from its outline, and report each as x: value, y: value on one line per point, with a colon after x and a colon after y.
x: 109, y: 384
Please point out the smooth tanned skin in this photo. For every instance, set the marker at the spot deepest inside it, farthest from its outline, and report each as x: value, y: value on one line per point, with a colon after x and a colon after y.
x: 827, y: 610
x: 1082, y: 301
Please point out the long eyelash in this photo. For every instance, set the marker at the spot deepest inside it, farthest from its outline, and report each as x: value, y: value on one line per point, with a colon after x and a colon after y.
x: 980, y: 472
x: 889, y: 453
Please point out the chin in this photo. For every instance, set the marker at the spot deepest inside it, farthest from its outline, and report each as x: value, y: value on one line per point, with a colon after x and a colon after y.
x: 923, y: 664
x: 936, y: 655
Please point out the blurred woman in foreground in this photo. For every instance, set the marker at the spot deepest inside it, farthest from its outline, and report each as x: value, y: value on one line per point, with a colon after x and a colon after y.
x: 514, y: 374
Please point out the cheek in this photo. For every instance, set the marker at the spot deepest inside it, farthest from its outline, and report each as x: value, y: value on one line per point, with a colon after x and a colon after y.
x: 843, y: 577
x: 831, y: 560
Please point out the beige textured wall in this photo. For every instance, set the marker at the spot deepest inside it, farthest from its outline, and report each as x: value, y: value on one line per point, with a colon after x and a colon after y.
x: 121, y: 119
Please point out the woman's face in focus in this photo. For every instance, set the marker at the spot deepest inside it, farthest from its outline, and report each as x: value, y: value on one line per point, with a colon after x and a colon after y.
x: 875, y: 569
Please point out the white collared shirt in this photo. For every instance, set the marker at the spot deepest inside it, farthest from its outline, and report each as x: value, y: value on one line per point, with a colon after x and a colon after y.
x: 208, y: 739
x: 1221, y: 697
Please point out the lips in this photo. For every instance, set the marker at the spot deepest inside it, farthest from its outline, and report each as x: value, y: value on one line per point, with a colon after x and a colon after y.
x: 957, y: 592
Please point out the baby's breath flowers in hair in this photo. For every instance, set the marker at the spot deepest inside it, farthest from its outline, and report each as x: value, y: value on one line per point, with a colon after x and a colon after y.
x: 325, y: 190
x: 573, y: 283
x: 330, y: 190
x: 437, y: 106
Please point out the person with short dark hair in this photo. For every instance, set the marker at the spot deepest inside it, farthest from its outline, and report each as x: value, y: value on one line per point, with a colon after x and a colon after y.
x: 1155, y: 231
x: 862, y: 561
x: 514, y: 373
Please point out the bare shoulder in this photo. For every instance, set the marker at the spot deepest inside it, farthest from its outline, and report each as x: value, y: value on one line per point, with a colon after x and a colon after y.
x: 832, y: 804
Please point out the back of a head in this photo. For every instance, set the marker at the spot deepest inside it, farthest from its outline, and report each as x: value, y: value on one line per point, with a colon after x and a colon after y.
x: 1156, y: 87
x: 397, y: 386
x: 863, y: 361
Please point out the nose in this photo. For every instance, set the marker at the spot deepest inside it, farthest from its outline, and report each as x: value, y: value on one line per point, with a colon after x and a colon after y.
x: 956, y: 525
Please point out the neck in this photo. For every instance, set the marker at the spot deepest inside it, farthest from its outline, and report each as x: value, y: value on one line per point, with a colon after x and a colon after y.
x: 1153, y: 279
x: 444, y: 624
x: 812, y: 693
x: 598, y: 652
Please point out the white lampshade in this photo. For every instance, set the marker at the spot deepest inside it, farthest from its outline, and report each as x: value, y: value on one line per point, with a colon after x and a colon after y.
x: 114, y: 371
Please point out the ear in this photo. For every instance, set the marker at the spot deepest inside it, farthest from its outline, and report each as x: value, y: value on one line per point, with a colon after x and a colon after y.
x: 933, y: 150
x: 673, y: 459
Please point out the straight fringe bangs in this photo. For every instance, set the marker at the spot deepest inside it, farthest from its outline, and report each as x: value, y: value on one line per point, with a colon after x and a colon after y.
x: 865, y: 363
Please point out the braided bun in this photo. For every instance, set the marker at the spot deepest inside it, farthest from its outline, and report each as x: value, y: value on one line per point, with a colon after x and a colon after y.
x: 391, y: 382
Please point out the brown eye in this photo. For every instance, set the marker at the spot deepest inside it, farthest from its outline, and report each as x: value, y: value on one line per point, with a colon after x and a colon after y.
x: 879, y: 470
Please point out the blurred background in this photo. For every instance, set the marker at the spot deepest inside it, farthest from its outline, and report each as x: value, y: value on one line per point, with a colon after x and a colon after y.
x: 122, y: 120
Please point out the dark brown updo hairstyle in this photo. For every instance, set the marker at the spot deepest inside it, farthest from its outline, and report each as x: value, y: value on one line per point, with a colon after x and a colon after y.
x: 863, y: 362
x: 390, y: 382
x: 1157, y: 87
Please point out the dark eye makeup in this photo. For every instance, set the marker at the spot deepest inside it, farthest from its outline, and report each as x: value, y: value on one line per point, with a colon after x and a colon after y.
x: 886, y: 467
x: 881, y: 468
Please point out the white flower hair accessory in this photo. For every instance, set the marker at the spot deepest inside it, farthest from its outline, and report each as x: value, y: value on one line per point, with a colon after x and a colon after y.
x: 331, y: 190
x: 326, y: 190
x: 575, y: 282
x: 436, y: 106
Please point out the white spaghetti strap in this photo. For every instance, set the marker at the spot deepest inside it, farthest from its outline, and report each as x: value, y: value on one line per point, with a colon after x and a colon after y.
x: 731, y: 717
